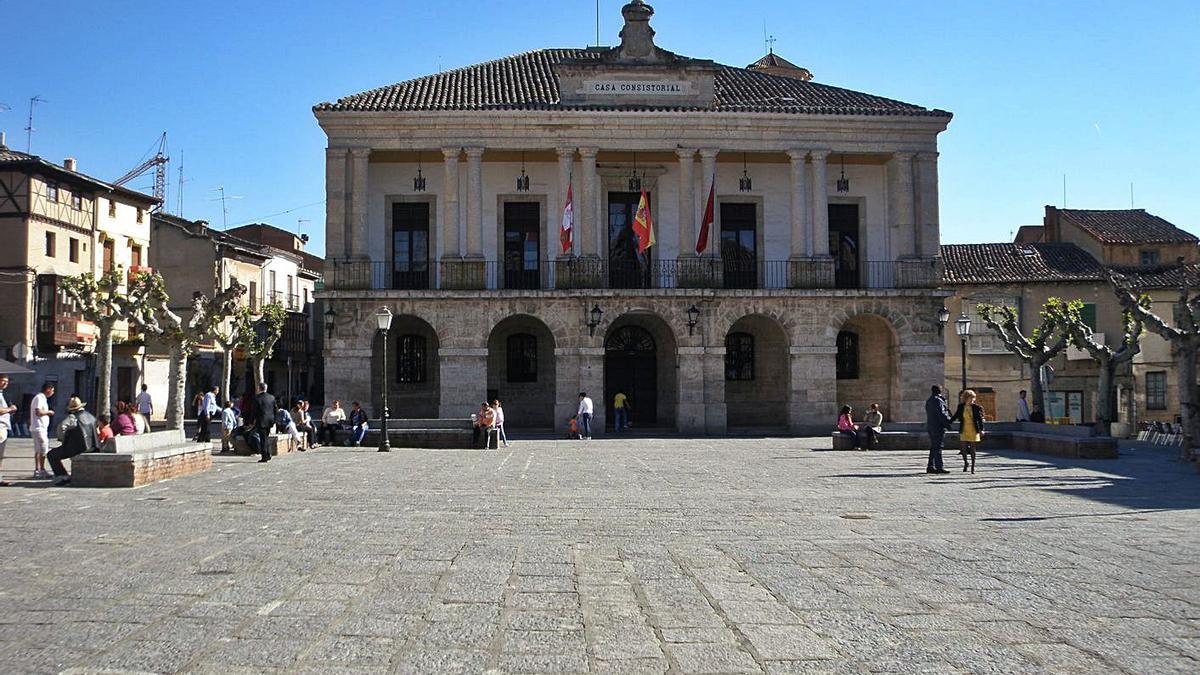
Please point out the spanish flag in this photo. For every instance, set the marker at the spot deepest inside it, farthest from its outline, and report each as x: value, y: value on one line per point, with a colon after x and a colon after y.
x: 643, y: 225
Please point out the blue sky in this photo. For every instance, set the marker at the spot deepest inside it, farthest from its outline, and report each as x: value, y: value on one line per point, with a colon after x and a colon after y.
x: 1105, y: 92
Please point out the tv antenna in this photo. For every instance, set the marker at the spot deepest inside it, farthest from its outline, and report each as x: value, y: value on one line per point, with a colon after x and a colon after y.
x: 224, y: 207
x: 597, y: 23
x: 29, y: 129
x: 179, y: 197
x: 300, y: 224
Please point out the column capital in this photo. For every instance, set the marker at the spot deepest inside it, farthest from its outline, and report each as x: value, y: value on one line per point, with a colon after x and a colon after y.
x: 473, y: 152
x: 360, y: 152
x: 930, y: 156
x: 820, y: 155
x: 708, y: 153
x: 797, y: 155
x: 336, y: 152
x: 451, y: 153
x: 588, y: 152
x: 685, y: 153
x: 563, y: 153
x: 903, y: 155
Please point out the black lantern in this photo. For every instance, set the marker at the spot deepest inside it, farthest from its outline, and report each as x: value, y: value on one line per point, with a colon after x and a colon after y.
x: 523, y: 179
x: 419, y: 180
x: 635, y: 183
x: 943, y: 318
x: 843, y: 183
x: 963, y: 327
x: 693, y: 316
x: 330, y: 322
x: 744, y: 183
x: 594, y: 320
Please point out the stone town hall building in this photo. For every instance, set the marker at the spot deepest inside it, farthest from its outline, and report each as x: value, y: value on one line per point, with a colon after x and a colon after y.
x: 816, y: 287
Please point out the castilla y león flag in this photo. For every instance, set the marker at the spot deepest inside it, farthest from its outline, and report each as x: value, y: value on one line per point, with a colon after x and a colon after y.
x: 568, y: 222
x: 643, y: 225
x: 702, y: 237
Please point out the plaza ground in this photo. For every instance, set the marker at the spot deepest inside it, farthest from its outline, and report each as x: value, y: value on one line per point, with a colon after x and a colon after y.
x: 654, y: 555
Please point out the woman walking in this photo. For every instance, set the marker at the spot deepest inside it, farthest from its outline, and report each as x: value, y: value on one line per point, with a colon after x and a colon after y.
x: 970, y: 433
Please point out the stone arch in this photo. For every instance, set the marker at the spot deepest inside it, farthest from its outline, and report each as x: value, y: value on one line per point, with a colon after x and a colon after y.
x: 772, y: 312
x: 872, y: 375
x: 524, y: 382
x: 756, y: 393
x: 628, y: 370
x: 413, y: 369
x: 898, y: 323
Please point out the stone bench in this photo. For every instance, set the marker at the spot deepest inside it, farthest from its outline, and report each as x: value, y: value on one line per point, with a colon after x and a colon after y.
x: 436, y: 434
x: 277, y: 444
x: 131, y: 461
x: 1058, y: 441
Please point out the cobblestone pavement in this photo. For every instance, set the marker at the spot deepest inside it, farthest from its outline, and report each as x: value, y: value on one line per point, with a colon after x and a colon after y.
x: 611, y: 556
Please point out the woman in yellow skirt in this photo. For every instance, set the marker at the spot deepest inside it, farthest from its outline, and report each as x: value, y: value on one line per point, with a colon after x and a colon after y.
x: 970, y: 433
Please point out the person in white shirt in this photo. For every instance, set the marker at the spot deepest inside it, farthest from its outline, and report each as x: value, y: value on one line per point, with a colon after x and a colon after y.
x: 500, y: 422
x: 6, y: 412
x: 39, y: 427
x: 145, y: 405
x: 229, y: 422
x: 1022, y: 407
x: 331, y: 423
x: 208, y: 410
x: 584, y: 414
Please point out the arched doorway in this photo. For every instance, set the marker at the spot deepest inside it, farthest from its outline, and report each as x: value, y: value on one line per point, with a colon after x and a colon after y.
x: 757, y: 374
x: 521, y: 371
x: 867, y: 366
x: 413, y: 370
x: 631, y: 367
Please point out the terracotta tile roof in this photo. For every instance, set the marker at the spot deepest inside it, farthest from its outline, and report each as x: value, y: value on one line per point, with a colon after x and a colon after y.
x: 15, y: 159
x: 527, y: 82
x: 773, y: 60
x: 1129, y: 226
x: 1017, y: 263
x: 1162, y: 276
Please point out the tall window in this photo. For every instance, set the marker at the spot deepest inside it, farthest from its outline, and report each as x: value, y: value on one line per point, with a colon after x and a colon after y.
x: 253, y: 293
x: 77, y: 201
x: 410, y: 245
x: 50, y: 244
x: 107, y: 259
x: 626, y: 267
x: 112, y: 209
x: 271, y: 286
x: 1156, y: 391
x: 739, y: 356
x: 738, y: 245
x: 73, y: 250
x: 141, y: 215
x: 522, y: 358
x: 410, y: 359
x: 135, y: 256
x: 522, y: 226
x: 52, y: 191
x: 847, y: 355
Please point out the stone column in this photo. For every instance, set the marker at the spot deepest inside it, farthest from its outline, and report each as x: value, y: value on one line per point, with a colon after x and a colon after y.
x: 335, y: 203
x: 462, y: 385
x: 820, y: 204
x: 687, y: 201
x: 450, y: 244
x: 586, y: 236
x: 690, y: 413
x: 920, y: 365
x: 358, y: 230
x: 708, y: 167
x: 900, y: 204
x: 566, y: 385
x: 928, y: 231
x: 474, y: 202
x: 566, y: 162
x: 801, y: 215
x: 812, y: 396
x: 716, y: 416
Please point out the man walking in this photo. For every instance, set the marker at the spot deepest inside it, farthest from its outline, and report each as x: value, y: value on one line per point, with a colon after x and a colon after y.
x: 937, y: 421
x: 6, y: 412
x: 585, y: 416
x: 1022, y: 407
x: 39, y: 427
x: 145, y: 405
x: 262, y: 418
x: 77, y: 433
x: 208, y: 410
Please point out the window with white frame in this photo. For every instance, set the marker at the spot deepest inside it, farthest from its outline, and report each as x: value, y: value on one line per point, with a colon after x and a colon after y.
x: 983, y: 339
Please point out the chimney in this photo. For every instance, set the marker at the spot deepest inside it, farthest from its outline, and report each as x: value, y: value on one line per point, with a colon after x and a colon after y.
x: 69, y: 164
x: 3, y: 146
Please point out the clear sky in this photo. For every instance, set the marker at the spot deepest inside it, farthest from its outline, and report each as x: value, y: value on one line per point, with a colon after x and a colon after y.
x: 1105, y: 92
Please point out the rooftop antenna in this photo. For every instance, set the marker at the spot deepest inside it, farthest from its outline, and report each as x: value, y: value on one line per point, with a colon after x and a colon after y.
x: 1130, y: 194
x: 1064, y: 191
x: 29, y: 129
x: 597, y: 23
x: 300, y: 225
x: 224, y: 207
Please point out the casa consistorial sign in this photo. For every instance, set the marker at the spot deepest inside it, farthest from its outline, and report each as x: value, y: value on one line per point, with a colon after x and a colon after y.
x: 621, y: 87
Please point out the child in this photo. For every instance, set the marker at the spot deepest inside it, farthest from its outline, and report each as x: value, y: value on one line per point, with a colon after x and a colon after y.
x: 229, y: 422
x: 103, y: 429
x: 572, y: 429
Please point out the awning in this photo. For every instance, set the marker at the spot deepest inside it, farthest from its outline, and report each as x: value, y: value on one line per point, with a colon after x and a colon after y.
x: 10, y: 368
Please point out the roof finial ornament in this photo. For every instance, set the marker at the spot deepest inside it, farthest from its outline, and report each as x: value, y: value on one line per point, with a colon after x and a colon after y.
x: 637, y: 37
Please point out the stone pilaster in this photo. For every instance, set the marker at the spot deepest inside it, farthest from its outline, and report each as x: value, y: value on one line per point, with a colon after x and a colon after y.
x: 716, y: 416
x: 687, y: 201
x: 820, y: 203
x: 900, y: 203
x: 928, y: 231
x: 566, y: 385
x: 690, y: 413
x: 335, y: 203
x: 450, y: 240
x: 357, y: 231
x: 812, y: 397
x: 463, y: 374
x: 586, y: 236
x: 920, y: 367
x: 801, y: 216
x: 708, y: 167
x: 566, y: 162
x: 474, y: 202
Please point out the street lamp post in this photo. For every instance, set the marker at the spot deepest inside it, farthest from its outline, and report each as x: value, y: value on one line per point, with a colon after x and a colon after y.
x: 383, y: 320
x: 963, y: 327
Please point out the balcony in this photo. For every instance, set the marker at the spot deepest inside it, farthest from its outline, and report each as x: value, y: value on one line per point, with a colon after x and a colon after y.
x: 59, y: 321
x: 595, y: 273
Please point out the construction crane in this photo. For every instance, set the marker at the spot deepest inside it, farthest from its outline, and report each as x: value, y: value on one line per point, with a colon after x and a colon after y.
x: 159, y: 163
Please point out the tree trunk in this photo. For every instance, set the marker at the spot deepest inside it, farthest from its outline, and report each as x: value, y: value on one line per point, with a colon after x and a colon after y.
x: 1188, y: 410
x: 260, y: 371
x: 1105, y: 396
x: 104, y: 351
x: 227, y: 372
x: 1037, y: 386
x: 178, y: 381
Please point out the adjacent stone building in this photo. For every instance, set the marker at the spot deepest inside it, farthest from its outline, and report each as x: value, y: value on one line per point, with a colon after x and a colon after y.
x: 815, y: 286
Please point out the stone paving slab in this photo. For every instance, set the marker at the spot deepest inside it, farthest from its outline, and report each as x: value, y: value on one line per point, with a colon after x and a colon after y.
x: 612, y: 556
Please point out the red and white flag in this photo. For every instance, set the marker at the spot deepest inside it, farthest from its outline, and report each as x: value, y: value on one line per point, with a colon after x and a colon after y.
x: 702, y: 237
x: 566, y: 233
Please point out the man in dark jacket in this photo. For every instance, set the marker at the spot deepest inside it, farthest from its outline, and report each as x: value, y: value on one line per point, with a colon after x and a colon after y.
x: 262, y: 418
x: 937, y: 421
x: 77, y: 433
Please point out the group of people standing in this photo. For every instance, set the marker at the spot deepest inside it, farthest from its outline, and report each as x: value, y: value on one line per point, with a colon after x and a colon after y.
x: 489, y: 420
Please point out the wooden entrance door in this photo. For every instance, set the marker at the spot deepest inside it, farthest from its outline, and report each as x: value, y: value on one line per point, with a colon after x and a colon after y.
x: 631, y: 367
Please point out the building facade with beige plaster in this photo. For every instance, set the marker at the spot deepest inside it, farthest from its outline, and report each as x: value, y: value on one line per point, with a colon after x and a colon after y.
x: 815, y: 287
